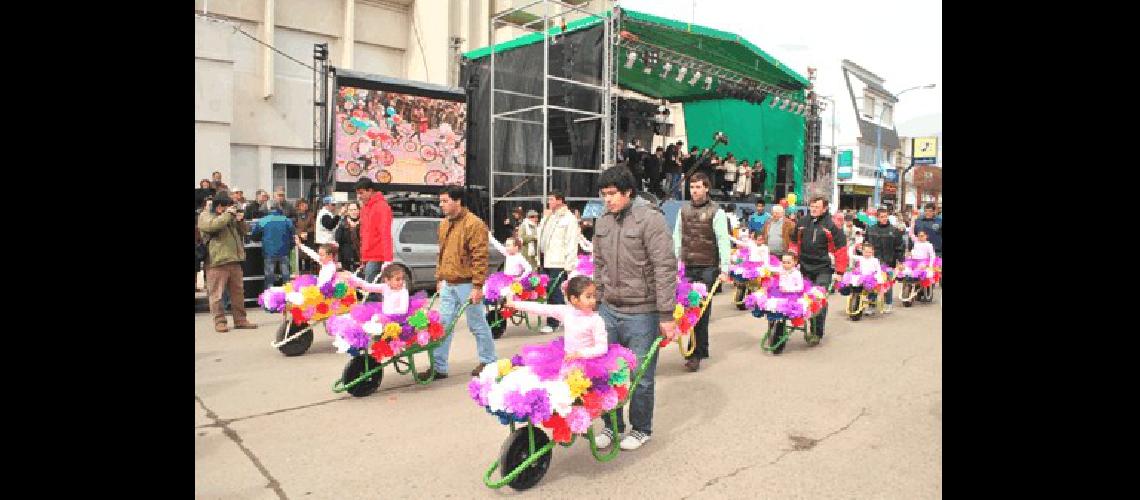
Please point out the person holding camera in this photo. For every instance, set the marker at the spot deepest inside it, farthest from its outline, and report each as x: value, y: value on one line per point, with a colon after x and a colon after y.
x: 222, y: 227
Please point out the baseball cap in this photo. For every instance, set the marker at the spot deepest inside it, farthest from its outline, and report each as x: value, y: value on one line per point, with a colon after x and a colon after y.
x: 532, y: 213
x: 327, y: 200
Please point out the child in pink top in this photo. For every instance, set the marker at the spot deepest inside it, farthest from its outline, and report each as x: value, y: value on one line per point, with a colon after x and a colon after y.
x: 515, y: 265
x: 395, y: 301
x: 923, y: 251
x: 791, y: 280
x: 585, y: 330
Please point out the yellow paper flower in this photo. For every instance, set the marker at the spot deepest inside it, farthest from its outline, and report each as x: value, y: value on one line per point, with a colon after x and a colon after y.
x: 392, y: 330
x: 505, y: 367
x: 678, y: 311
x: 578, y: 383
x: 312, y: 295
x: 288, y: 287
x: 516, y: 288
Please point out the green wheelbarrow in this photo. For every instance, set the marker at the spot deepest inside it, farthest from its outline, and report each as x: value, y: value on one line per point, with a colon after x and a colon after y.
x: 525, y: 455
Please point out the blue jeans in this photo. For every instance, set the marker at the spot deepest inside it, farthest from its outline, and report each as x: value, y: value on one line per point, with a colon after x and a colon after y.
x: 272, y: 265
x: 675, y: 181
x: 555, y: 291
x: 371, y: 269
x: 637, y: 332
x: 890, y: 297
x: 452, y: 297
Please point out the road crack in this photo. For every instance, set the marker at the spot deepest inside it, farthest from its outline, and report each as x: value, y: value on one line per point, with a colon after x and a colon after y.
x: 223, y: 424
x: 799, y: 443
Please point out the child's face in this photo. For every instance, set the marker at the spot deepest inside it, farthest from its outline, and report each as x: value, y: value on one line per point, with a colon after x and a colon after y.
x: 921, y: 236
x: 760, y: 239
x: 868, y: 251
x: 325, y: 257
x: 587, y: 301
x: 395, y: 281
x: 788, y: 262
x: 512, y: 248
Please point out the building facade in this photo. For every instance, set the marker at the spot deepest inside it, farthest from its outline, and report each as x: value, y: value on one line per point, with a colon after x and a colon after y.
x: 253, y: 106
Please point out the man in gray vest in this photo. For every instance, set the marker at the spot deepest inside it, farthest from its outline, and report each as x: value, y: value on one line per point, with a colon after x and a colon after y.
x: 701, y: 241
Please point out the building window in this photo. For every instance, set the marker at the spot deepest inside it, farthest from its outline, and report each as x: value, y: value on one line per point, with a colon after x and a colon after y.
x: 869, y: 106
x: 297, y: 179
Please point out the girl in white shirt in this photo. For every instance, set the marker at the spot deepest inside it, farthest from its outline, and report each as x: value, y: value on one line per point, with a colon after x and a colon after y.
x: 516, y: 265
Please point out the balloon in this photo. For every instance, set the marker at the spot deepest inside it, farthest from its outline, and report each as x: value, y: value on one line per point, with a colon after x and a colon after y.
x: 792, y: 198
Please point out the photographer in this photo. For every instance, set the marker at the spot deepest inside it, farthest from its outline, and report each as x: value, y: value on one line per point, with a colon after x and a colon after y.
x: 222, y: 228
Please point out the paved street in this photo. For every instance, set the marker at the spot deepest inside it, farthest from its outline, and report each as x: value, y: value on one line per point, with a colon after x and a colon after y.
x: 859, y: 416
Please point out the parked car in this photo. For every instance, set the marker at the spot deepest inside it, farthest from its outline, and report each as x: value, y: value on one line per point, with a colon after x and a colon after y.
x: 416, y: 245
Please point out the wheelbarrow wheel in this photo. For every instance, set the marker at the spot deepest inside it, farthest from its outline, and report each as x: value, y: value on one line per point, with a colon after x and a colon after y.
x: 777, y: 332
x: 496, y: 330
x: 855, y: 298
x: 738, y: 298
x: 297, y: 346
x: 353, y: 369
x: 515, y: 451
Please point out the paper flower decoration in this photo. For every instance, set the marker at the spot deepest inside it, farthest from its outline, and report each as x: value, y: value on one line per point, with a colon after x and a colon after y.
x: 577, y: 383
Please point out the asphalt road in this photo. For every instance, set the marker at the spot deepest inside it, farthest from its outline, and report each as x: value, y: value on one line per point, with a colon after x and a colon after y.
x: 859, y: 416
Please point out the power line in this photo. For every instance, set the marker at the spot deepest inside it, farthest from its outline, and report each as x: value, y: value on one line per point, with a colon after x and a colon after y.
x: 237, y: 29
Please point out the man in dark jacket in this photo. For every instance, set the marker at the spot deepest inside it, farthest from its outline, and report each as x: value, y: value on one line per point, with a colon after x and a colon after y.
x: 635, y: 272
x: 817, y: 236
x: 888, y: 242
x: 932, y: 224
x: 276, y: 233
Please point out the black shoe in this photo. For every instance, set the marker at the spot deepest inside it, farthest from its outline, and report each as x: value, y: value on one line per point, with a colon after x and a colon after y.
x: 475, y: 372
x: 427, y: 374
x: 693, y: 364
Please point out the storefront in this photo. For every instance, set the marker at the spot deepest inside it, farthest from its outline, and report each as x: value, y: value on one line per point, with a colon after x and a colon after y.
x: 855, y: 196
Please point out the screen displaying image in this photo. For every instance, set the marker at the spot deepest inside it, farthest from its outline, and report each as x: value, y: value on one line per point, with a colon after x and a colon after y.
x: 398, y: 138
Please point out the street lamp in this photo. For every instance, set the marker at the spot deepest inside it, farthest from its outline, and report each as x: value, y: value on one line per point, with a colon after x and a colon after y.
x: 878, y: 144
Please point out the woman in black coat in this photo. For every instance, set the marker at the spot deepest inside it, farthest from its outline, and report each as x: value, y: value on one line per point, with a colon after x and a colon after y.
x: 347, y: 235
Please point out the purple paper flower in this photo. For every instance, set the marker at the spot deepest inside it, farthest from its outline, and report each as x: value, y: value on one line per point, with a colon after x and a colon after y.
x: 516, y: 360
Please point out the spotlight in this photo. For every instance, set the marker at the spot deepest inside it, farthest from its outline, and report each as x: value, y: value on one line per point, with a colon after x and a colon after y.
x: 668, y: 66
x: 696, y: 76
x: 775, y: 101
x: 681, y: 74
x: 629, y: 59
x: 784, y: 105
x: 708, y: 83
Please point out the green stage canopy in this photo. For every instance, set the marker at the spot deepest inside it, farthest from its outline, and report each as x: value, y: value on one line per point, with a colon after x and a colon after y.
x: 715, y: 47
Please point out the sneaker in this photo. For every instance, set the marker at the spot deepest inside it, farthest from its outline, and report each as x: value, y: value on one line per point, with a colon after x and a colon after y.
x: 634, y: 440
x: 693, y: 364
x: 604, y: 439
x: 887, y: 310
x: 546, y: 329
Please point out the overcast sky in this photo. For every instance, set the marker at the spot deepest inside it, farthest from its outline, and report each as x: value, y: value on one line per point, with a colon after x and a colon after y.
x: 899, y: 40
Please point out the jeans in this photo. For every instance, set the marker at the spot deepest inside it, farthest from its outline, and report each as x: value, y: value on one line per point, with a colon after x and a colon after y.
x: 638, y: 332
x: 555, y: 291
x: 890, y: 295
x: 452, y: 297
x: 272, y: 265
x: 819, y: 277
x: 371, y: 269
x: 675, y: 182
x: 704, y: 275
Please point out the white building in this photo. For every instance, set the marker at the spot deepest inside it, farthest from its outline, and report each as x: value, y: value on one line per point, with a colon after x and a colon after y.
x: 253, y: 107
x: 870, y: 106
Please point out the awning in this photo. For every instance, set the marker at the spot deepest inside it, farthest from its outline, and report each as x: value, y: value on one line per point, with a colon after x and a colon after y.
x: 672, y: 38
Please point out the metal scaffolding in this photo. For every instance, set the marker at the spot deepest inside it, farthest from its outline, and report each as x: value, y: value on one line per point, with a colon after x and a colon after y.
x: 608, y: 102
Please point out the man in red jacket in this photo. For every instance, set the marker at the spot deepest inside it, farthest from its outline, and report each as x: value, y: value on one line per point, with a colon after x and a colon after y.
x: 375, y: 229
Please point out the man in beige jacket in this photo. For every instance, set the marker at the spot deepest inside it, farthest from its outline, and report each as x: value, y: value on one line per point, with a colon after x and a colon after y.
x: 558, y: 241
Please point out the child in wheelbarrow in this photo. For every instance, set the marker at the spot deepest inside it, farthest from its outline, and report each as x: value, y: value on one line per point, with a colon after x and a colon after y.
x: 565, y: 384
